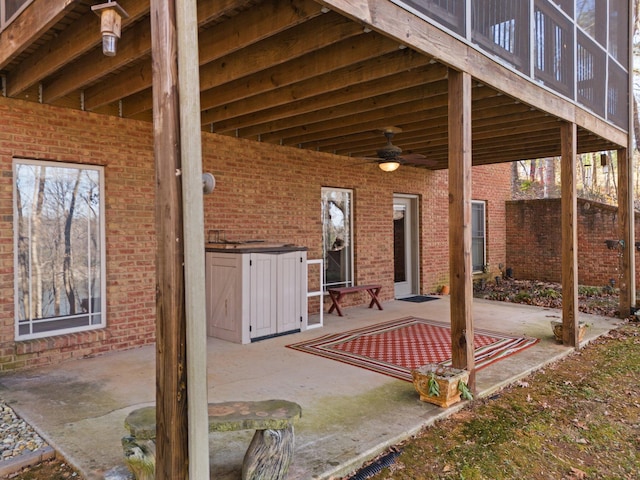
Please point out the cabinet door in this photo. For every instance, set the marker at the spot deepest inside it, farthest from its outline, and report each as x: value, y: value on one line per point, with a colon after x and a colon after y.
x: 290, y: 283
x: 224, y: 296
x: 263, y: 298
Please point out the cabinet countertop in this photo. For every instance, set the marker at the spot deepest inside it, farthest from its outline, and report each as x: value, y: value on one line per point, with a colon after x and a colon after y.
x: 253, y: 247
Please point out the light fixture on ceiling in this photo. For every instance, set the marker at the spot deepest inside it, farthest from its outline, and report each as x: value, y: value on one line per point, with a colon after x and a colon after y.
x: 389, y: 166
x: 110, y: 25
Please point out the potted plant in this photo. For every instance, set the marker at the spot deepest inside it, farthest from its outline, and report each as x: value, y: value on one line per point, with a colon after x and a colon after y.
x: 441, y: 385
x: 556, y: 326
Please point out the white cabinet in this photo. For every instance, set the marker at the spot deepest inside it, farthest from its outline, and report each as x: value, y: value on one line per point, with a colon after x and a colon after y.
x: 252, y: 295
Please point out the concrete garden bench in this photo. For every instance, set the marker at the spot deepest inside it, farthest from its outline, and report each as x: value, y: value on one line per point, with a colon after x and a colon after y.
x: 268, y: 456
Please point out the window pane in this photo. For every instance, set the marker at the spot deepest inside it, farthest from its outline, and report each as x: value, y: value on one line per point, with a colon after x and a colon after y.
x: 502, y: 27
x: 11, y: 7
x: 337, y: 236
x: 591, y: 14
x: 553, y: 48
x: 59, y: 247
x: 618, y: 27
x: 450, y: 13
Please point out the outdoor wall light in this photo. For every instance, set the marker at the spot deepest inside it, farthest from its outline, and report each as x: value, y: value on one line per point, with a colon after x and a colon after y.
x: 208, y: 183
x: 110, y: 24
x: 389, y: 166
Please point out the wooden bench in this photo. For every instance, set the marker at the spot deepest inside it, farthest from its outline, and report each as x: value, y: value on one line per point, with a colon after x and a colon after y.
x: 268, y: 456
x: 337, y: 293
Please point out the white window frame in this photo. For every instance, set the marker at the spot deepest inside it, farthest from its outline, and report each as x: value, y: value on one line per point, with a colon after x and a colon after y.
x: 474, y: 236
x: 348, y: 247
x: 93, y: 314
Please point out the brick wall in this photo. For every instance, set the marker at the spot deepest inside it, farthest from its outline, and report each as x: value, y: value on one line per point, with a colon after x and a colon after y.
x: 262, y: 192
x: 534, y: 240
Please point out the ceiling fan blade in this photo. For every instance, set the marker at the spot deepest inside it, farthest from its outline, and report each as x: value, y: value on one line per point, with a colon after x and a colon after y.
x: 418, y: 160
x: 412, y: 157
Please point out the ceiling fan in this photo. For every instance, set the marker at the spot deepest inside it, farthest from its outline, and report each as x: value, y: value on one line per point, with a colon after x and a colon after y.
x: 389, y: 157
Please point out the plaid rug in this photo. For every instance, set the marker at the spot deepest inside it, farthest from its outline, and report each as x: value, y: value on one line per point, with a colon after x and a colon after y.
x: 395, y: 348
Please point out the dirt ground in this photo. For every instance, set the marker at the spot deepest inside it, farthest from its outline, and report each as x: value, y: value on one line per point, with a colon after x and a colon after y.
x: 576, y: 419
x: 566, y: 422
x: 56, y: 469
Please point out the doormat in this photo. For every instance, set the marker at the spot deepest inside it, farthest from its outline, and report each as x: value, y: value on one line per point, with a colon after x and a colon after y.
x: 395, y: 348
x: 418, y: 298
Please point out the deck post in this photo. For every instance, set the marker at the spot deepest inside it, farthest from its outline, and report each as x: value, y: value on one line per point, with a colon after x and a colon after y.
x: 193, y: 212
x: 626, y: 233
x: 569, y: 226
x: 171, y: 369
x: 460, y: 268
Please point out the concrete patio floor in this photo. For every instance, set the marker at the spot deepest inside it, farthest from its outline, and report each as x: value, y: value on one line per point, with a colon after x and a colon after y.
x: 349, y: 414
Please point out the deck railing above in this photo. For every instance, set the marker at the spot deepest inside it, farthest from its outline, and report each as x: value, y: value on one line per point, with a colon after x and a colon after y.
x: 577, y: 48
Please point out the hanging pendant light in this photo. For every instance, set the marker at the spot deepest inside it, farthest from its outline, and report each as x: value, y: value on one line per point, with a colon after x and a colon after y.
x: 110, y: 25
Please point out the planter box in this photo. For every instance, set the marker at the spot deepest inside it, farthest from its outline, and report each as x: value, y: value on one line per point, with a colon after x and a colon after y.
x: 447, y: 378
x: 556, y: 325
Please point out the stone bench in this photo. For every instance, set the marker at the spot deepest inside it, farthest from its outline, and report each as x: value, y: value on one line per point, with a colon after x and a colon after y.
x: 268, y: 456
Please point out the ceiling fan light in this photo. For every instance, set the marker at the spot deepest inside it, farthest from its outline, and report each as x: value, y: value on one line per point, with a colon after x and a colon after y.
x: 389, y: 166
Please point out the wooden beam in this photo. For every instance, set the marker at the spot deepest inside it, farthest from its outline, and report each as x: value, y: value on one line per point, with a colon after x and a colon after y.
x: 460, y: 270
x: 134, y: 45
x: 626, y: 232
x: 391, y: 87
x: 29, y: 25
x: 71, y: 43
x: 345, y: 119
x: 569, y: 226
x: 396, y: 67
x: 293, y: 43
x: 346, y: 59
x: 221, y: 59
x: 270, y: 17
x: 411, y: 99
x: 258, y: 23
x: 171, y: 368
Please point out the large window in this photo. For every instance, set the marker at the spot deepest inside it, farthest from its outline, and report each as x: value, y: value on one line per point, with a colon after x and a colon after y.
x: 478, y: 236
x: 337, y: 236
x: 59, y: 248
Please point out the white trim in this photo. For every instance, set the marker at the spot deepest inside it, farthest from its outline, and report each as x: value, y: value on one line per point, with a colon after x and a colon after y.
x: 102, y: 255
x: 350, y: 277
x: 317, y: 293
x: 484, y: 243
x: 412, y: 243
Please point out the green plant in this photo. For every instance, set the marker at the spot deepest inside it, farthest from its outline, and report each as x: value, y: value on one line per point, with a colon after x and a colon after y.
x: 549, y: 293
x: 465, y: 393
x: 589, y: 291
x: 434, y: 388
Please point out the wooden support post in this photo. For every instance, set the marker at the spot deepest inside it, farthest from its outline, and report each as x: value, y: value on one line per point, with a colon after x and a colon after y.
x: 171, y: 380
x: 626, y: 233
x: 569, y: 226
x: 460, y: 270
x: 193, y: 213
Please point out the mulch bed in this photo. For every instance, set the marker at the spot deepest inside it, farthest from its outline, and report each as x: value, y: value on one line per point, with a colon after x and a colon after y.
x: 594, y: 300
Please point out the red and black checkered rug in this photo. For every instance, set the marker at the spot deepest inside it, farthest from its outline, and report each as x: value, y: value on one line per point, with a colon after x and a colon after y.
x: 395, y: 348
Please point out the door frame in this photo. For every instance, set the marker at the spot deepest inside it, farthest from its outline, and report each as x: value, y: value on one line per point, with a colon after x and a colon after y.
x: 412, y: 246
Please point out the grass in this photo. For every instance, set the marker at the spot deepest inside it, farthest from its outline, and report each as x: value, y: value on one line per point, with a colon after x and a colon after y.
x: 576, y: 419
